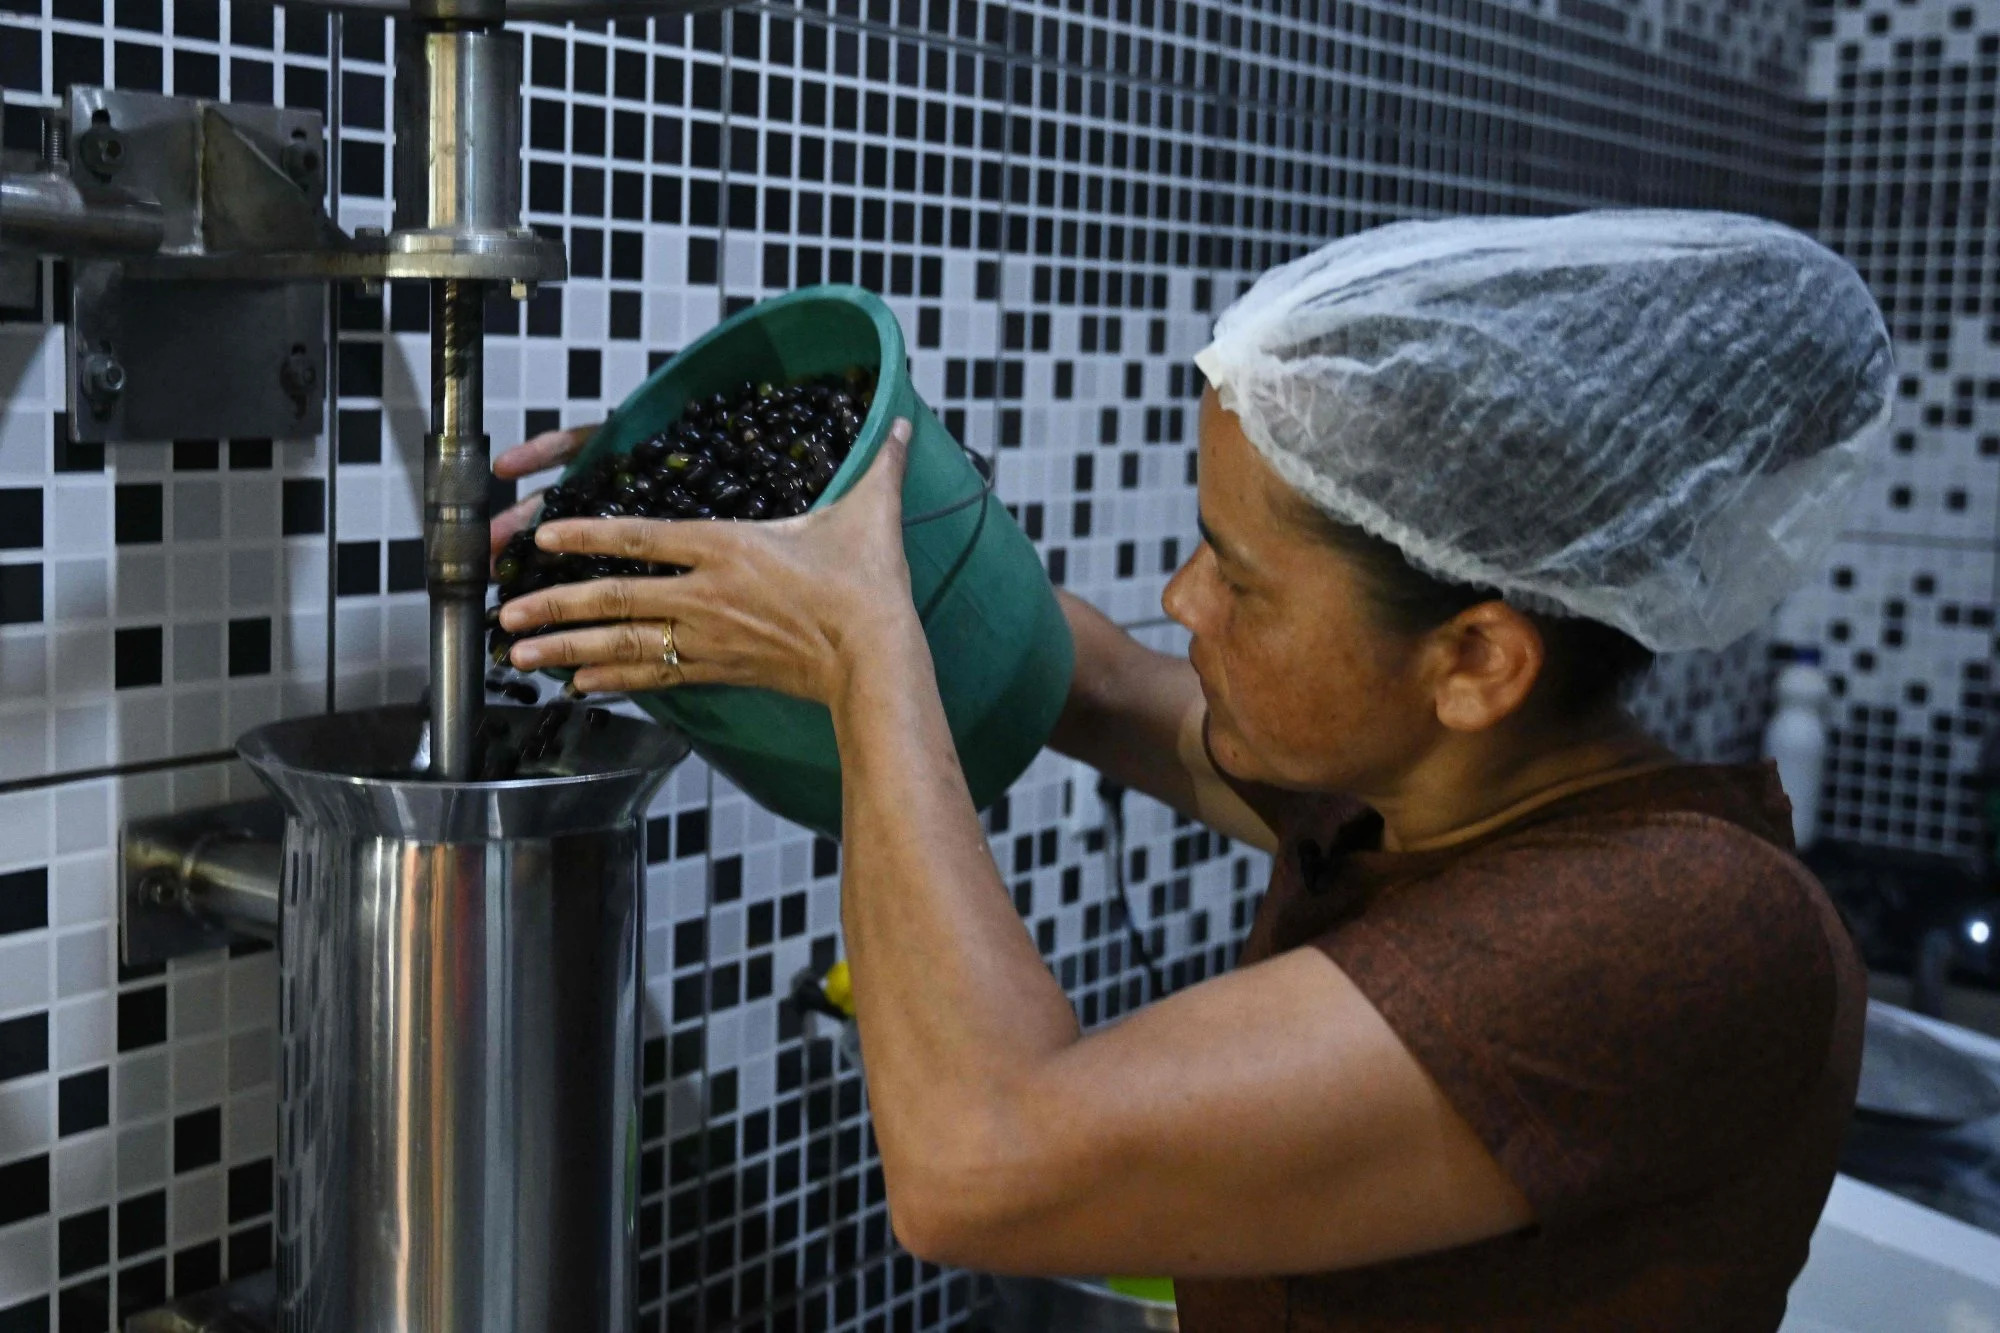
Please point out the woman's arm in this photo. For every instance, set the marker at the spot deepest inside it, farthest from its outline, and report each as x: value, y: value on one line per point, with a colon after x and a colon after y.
x: 1135, y: 715
x: 1267, y: 1121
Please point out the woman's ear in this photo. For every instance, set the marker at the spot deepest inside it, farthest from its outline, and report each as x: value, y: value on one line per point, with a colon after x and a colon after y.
x: 1492, y: 655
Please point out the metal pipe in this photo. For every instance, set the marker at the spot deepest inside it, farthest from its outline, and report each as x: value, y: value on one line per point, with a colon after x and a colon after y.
x: 46, y: 213
x: 456, y: 522
x: 234, y: 882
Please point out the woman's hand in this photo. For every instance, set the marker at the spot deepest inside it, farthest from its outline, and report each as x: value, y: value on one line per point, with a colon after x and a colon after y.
x: 792, y: 605
x: 552, y: 448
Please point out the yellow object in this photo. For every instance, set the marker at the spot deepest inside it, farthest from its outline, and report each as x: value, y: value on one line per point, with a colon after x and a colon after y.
x: 1143, y: 1288
x: 838, y: 983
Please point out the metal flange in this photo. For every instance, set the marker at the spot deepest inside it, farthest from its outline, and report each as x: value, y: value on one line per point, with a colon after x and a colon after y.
x: 405, y: 256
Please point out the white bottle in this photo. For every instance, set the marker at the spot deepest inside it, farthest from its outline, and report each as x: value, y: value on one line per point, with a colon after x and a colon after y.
x: 1796, y: 738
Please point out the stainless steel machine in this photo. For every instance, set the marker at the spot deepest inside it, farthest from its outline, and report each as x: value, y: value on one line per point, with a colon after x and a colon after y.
x: 459, y: 1010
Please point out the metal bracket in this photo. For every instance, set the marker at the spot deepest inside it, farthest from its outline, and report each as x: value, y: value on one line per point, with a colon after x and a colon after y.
x: 199, y: 880
x: 159, y: 355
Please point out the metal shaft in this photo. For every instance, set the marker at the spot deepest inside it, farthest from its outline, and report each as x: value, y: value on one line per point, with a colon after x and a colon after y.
x: 456, y: 526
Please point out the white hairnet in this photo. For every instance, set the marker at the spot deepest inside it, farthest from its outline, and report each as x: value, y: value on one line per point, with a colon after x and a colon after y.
x: 1651, y: 419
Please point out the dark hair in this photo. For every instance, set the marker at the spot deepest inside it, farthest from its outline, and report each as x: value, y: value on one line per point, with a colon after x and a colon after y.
x: 1585, y: 663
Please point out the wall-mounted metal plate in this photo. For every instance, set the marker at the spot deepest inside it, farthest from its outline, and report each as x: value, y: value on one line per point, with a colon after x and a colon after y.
x: 167, y: 359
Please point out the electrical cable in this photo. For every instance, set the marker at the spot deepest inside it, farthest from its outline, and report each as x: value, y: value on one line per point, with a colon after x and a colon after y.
x: 1112, y: 795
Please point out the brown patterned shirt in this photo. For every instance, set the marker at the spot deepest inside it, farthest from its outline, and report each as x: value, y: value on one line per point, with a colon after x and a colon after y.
x: 1645, y: 1007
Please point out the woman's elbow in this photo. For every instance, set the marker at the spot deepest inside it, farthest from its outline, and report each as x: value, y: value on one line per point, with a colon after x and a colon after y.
x: 958, y: 1212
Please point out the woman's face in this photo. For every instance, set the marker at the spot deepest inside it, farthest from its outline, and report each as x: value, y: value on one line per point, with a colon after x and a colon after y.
x: 1304, y: 690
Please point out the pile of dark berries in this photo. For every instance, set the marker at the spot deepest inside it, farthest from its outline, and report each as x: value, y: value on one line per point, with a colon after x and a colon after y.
x: 763, y: 451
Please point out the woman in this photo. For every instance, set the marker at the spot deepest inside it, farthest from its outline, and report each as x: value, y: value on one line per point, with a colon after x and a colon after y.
x: 1538, y: 1028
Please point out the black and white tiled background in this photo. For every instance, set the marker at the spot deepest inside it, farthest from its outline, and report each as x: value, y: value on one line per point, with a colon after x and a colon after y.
x: 1056, y: 199
x: 1904, y: 104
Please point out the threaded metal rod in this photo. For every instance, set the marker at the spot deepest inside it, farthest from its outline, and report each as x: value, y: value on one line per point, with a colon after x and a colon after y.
x: 456, y: 526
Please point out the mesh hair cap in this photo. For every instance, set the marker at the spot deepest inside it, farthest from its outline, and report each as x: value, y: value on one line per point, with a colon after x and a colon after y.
x: 1651, y: 419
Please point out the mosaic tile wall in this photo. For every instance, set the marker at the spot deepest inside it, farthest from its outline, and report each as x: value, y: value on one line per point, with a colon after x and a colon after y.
x: 1054, y: 198
x: 1905, y: 101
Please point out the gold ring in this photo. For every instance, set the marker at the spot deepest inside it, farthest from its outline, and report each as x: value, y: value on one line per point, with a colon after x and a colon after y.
x: 669, y: 653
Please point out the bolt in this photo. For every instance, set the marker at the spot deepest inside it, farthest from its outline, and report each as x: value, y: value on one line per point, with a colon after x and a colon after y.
x: 300, y: 160
x: 298, y: 376
x: 100, y: 148
x: 522, y: 291
x: 103, y: 381
x: 161, y: 888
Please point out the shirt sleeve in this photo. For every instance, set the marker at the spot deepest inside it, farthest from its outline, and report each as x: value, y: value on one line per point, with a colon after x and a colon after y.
x: 1621, y: 1014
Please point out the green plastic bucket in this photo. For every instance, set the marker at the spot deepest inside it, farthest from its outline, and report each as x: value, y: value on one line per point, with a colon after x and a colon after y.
x: 998, y: 639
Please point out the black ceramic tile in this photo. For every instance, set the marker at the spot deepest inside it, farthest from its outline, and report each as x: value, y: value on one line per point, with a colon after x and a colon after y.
x: 83, y: 1102
x: 250, y: 646
x: 142, y: 1018
x: 24, y: 1189
x: 24, y: 900
x: 304, y: 507
x: 197, y: 1139
x: 137, y: 656
x: 20, y: 594
x: 83, y: 1242
x: 24, y: 1046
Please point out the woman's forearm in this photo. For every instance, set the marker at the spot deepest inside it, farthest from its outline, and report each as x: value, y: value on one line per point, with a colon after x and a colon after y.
x: 1126, y: 707
x: 955, y: 1005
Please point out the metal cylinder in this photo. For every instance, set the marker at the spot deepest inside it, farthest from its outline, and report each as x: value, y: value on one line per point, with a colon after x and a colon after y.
x: 44, y: 212
x: 459, y: 1018
x: 456, y: 524
x: 233, y: 881
x: 458, y: 130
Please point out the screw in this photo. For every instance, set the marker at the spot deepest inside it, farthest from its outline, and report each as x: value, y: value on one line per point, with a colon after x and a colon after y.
x: 522, y: 291
x: 103, y: 381
x: 298, y: 376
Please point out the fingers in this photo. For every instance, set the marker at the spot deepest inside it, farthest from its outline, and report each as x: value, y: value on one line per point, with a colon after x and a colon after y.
x: 597, y: 599
x: 549, y: 449
x: 514, y: 518
x: 624, y: 678
x: 691, y: 543
x: 885, y: 473
x: 633, y: 643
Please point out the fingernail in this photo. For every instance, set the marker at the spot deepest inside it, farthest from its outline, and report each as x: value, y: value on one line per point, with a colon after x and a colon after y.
x: 901, y: 429
x: 526, y: 655
x: 513, y: 617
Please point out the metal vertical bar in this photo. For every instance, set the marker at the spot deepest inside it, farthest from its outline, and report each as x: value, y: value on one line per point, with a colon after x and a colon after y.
x: 456, y: 525
x: 337, y: 41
